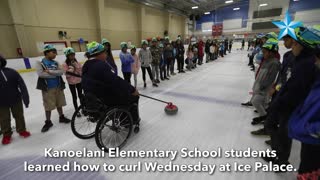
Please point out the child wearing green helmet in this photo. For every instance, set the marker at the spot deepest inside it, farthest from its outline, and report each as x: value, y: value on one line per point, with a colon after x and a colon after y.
x: 156, y: 55
x: 126, y: 61
x: 51, y: 84
x: 145, y: 57
x: 293, y: 93
x: 110, y: 60
x: 264, y: 81
x: 71, y: 67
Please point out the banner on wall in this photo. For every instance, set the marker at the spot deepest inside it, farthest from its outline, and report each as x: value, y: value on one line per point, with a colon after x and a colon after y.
x: 217, y: 30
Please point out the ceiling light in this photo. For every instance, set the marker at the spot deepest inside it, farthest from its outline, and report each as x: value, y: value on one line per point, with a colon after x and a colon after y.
x: 236, y: 9
x: 230, y: 1
x: 195, y: 7
x: 265, y: 4
x: 207, y: 13
x: 295, y: 0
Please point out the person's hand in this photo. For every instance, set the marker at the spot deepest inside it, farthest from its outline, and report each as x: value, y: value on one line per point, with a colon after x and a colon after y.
x: 46, y: 70
x: 272, y: 91
x: 135, y: 93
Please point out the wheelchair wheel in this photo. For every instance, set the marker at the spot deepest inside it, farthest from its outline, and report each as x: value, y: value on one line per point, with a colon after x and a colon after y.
x: 83, y: 124
x: 114, y: 129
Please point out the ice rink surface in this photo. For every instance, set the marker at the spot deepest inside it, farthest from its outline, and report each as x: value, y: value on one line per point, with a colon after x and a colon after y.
x: 210, y: 116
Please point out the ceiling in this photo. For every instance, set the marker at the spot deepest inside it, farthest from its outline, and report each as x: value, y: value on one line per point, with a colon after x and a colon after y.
x: 184, y: 7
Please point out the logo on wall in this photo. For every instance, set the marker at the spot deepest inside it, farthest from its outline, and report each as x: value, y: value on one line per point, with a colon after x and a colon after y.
x: 217, y: 30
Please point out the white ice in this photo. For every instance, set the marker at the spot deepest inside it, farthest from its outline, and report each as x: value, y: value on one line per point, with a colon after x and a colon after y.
x: 210, y: 116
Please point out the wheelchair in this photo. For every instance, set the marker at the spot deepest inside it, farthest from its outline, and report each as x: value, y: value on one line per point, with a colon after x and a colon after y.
x: 110, y: 125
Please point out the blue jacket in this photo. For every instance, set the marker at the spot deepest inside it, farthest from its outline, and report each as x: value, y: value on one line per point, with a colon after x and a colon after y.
x: 98, y: 79
x: 126, y: 60
x: 298, y: 85
x: 304, y: 124
x: 12, y: 88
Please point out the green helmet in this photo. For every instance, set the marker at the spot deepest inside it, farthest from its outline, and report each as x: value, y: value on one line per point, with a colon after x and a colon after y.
x: 271, y: 35
x: 271, y: 45
x: 167, y: 38
x: 308, y: 36
x: 123, y: 45
x: 49, y: 47
x: 94, y: 48
x: 144, y: 42
x: 154, y: 39
x: 104, y: 41
x: 133, y: 47
x: 161, y: 45
x: 68, y: 50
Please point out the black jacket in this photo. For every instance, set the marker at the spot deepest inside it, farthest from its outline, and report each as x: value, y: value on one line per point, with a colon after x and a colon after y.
x: 12, y: 88
x: 180, y: 51
x: 298, y: 86
x: 98, y: 79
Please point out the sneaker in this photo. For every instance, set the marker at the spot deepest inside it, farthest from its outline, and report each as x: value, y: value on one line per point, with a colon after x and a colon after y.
x: 268, y: 142
x: 166, y: 78
x: 24, y: 134
x: 48, y: 124
x: 157, y: 81
x: 162, y: 79
x: 63, y: 119
x: 155, y: 85
x: 247, y: 104
x: 145, y: 85
x: 260, y: 132
x: 258, y: 120
x: 183, y: 71
x: 6, y: 140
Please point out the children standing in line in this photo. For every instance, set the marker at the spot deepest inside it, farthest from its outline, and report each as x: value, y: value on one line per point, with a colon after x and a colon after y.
x: 200, y: 52
x: 195, y: 55
x: 72, y: 68
x: 135, y: 67
x: 51, y: 84
x: 156, y: 55
x: 207, y: 50
x: 212, y: 51
x: 163, y: 65
x: 168, y: 56
x: 145, y: 59
x: 189, y: 60
x: 110, y: 59
x: 126, y: 60
x: 221, y: 49
x: 180, y: 56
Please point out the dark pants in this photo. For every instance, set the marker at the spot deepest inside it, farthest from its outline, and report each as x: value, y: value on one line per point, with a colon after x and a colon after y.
x: 144, y: 73
x: 180, y: 63
x: 279, y: 137
x: 309, y: 158
x: 230, y: 47
x: 76, y: 89
x: 163, y: 71
x: 221, y: 53
x: 251, y: 62
x: 127, y: 76
x: 5, y: 118
x: 200, y: 60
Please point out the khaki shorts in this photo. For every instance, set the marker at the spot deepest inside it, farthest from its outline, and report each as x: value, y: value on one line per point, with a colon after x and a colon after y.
x: 53, y: 98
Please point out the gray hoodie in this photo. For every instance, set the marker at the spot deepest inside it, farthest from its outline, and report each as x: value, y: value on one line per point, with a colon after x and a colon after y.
x: 267, y: 76
x: 145, y: 57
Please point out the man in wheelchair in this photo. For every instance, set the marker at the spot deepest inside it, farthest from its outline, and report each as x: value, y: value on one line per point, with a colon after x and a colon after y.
x: 99, y: 80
